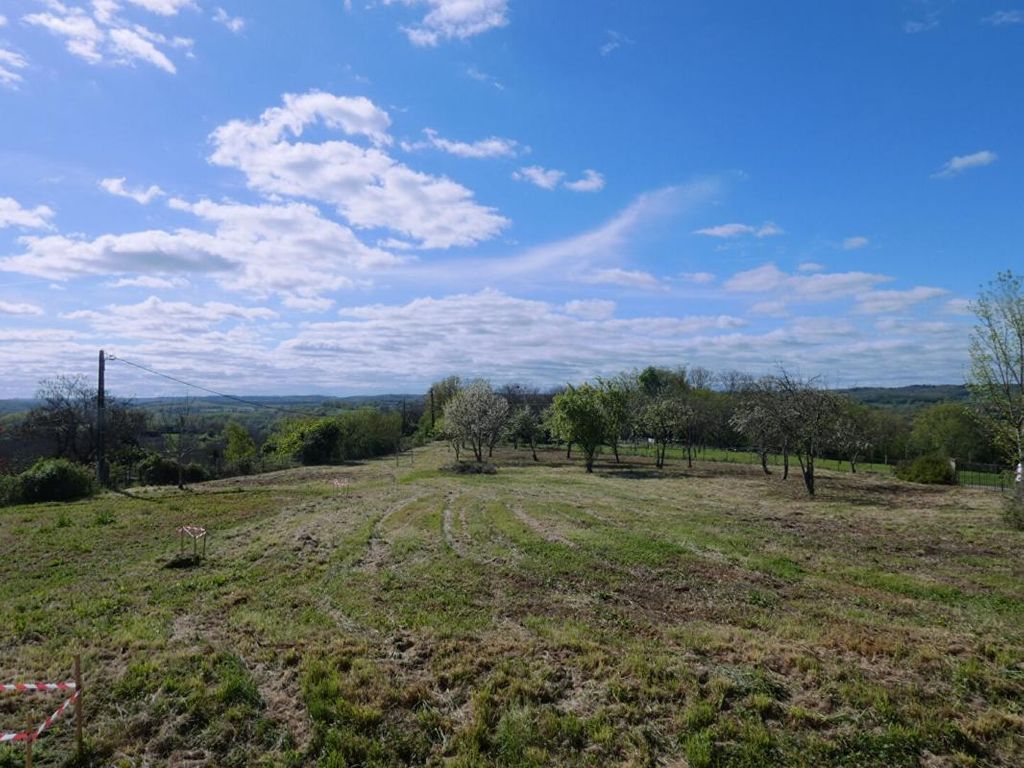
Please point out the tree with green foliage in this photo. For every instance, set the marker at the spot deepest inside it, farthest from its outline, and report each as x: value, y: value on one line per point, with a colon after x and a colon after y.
x: 350, y: 435
x: 240, y: 448
x: 997, y: 364
x: 951, y: 430
x: 663, y: 419
x: 579, y: 415
x: 525, y: 427
x: 615, y: 395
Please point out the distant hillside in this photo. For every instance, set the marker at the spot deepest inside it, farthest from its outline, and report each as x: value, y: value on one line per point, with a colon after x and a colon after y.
x: 298, y: 404
x: 914, y: 396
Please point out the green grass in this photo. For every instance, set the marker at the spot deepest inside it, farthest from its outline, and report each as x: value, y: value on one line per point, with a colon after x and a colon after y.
x: 539, y: 616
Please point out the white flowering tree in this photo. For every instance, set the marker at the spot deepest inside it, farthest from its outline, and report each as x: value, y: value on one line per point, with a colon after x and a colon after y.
x: 476, y: 416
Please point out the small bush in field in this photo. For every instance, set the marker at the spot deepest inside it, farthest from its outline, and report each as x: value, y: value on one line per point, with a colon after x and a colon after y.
x: 52, y: 480
x: 469, y: 468
x: 933, y: 470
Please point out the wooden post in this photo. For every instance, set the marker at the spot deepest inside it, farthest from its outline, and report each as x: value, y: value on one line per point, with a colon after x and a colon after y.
x: 78, y: 702
x: 28, y: 745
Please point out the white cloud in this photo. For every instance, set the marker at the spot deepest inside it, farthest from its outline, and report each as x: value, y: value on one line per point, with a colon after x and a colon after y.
x: 592, y: 181
x: 418, y: 337
x: 150, y: 281
x: 83, y: 37
x: 916, y: 27
x: 104, y: 37
x: 13, y: 215
x: 601, y: 246
x: 770, y: 308
x: 810, y: 266
x: 590, y: 309
x: 1002, y: 18
x: 3, y: 20
x: 701, y: 278
x: 366, y: 185
x: 164, y: 7
x: 483, y: 77
x: 308, y: 303
x: 726, y: 231
x: 493, y: 146
x: 614, y: 40
x: 139, y: 195
x: 854, y: 243
x: 234, y: 23
x: 625, y: 278
x: 155, y: 318
x: 9, y: 62
x: 803, y: 287
x: 959, y: 307
x: 285, y: 249
x: 549, y: 178
x: 539, y: 176
x: 878, y: 302
x: 9, y: 308
x: 129, y: 45
x: 454, y: 19
x: 960, y: 163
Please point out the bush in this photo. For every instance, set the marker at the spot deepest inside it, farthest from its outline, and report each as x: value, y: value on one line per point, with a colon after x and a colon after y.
x: 348, y: 436
x: 470, y: 468
x: 933, y: 470
x: 48, y: 480
x: 159, y: 470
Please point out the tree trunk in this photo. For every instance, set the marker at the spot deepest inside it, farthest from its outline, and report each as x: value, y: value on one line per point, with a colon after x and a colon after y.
x: 785, y: 464
x: 568, y: 450
x: 764, y: 463
x: 615, y: 450
x: 589, y: 456
x: 807, y: 469
x: 689, y: 455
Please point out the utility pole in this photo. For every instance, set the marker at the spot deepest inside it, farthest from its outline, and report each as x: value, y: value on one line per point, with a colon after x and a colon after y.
x: 102, y: 470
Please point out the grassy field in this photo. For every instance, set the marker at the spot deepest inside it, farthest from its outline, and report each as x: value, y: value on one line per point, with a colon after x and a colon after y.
x: 775, y: 460
x: 539, y: 616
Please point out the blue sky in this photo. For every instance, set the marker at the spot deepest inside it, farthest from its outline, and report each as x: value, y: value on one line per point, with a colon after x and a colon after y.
x: 338, y: 197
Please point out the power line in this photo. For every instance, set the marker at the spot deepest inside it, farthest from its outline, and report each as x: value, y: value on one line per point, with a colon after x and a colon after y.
x: 206, y: 389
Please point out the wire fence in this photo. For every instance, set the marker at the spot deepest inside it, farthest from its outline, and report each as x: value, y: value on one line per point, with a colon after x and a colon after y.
x: 990, y: 476
x: 968, y: 474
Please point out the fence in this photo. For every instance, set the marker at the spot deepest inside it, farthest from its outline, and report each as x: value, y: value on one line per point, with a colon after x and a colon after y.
x: 31, y: 734
x: 991, y: 476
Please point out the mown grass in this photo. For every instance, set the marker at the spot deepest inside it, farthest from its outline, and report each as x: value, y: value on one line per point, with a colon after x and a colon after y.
x: 539, y: 616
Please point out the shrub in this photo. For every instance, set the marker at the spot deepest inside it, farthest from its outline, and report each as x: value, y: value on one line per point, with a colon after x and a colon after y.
x: 933, y: 470
x: 359, y: 434
x: 50, y: 480
x: 469, y: 468
x: 159, y: 470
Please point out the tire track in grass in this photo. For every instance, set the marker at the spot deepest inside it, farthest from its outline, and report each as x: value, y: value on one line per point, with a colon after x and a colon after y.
x: 545, y: 530
x: 378, y: 547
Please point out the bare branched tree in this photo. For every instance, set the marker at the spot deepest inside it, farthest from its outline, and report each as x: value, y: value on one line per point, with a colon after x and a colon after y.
x: 997, y: 363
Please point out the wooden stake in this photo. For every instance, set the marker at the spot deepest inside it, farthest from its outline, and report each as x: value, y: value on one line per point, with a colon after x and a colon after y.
x: 28, y: 746
x: 78, y: 701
